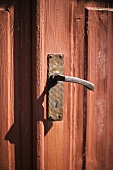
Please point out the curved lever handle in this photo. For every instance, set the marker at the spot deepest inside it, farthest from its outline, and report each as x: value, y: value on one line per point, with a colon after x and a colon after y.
x: 60, y: 77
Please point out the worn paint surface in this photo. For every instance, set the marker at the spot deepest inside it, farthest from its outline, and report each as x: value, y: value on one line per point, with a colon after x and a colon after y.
x: 99, y: 105
x: 15, y: 85
x: 59, y: 144
x: 6, y: 89
x: 83, y: 32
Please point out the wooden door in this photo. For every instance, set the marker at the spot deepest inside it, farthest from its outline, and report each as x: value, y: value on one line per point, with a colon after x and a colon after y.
x: 83, y: 32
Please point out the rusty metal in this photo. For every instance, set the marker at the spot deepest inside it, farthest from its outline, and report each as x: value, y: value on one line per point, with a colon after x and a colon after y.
x: 55, y: 89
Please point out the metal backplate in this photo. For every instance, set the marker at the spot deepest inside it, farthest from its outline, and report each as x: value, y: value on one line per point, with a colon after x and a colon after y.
x: 55, y: 89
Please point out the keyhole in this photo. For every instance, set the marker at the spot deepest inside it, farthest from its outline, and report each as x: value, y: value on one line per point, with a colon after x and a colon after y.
x: 55, y: 104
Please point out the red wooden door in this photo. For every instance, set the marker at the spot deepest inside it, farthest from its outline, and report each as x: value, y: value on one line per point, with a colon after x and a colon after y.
x: 83, y: 32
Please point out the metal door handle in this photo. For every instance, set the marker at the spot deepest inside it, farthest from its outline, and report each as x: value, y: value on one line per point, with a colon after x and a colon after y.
x: 55, y: 95
x: 60, y: 77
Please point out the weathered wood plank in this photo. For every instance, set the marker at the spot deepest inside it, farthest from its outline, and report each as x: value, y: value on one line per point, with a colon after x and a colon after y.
x: 58, y: 145
x: 15, y: 85
x: 7, y: 160
x: 99, y: 105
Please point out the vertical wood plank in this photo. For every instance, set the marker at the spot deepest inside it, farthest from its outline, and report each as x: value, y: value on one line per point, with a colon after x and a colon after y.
x: 38, y: 134
x: 58, y: 145
x: 15, y: 86
x: 99, y: 105
x: 7, y: 160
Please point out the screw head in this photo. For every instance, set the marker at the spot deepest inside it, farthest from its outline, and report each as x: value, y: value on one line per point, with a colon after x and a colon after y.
x: 60, y: 116
x: 61, y: 56
x: 50, y: 117
x: 50, y: 56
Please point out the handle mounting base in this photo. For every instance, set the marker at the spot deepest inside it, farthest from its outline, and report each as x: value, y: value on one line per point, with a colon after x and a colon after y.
x: 55, y: 89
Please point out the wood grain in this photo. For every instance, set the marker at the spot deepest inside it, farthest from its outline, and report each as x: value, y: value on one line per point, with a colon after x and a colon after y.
x: 58, y: 145
x: 99, y: 104
x: 7, y: 160
x: 15, y: 85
